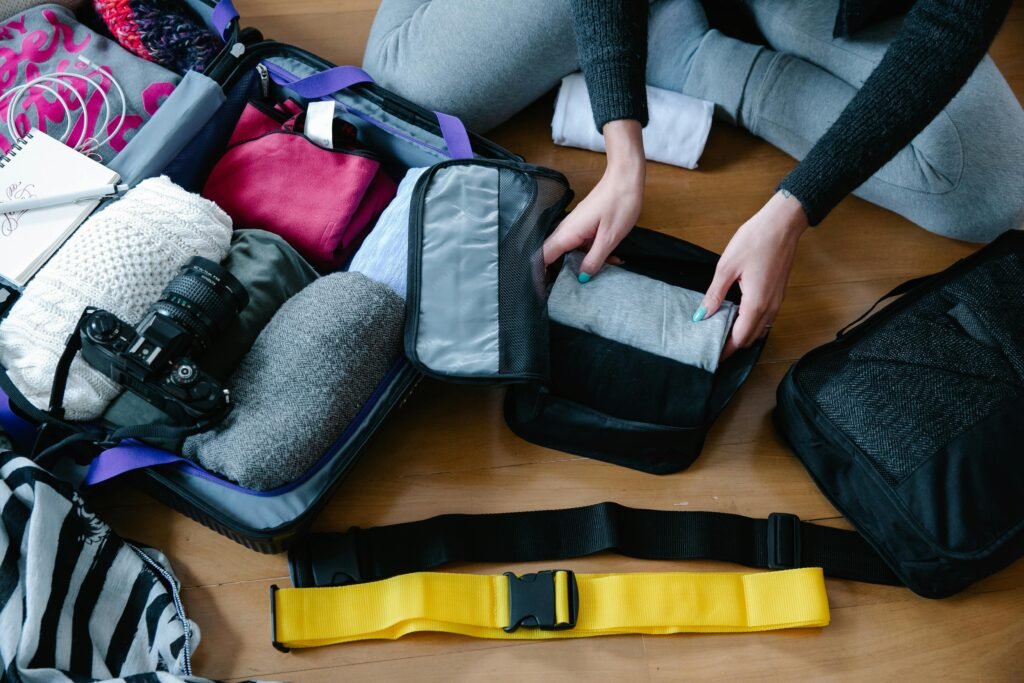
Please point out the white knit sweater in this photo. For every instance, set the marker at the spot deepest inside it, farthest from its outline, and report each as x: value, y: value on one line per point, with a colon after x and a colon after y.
x: 119, y: 260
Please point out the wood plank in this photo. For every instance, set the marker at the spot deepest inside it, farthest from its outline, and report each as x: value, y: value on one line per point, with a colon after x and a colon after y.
x: 862, y: 617
x: 597, y: 660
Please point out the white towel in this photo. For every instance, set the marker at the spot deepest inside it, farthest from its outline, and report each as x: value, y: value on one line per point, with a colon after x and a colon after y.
x: 676, y: 133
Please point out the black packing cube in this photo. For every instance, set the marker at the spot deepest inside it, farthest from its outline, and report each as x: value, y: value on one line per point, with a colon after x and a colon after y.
x: 610, y: 401
x: 912, y: 424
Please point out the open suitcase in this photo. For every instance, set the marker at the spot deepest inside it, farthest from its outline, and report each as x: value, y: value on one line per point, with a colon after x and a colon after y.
x: 405, y: 135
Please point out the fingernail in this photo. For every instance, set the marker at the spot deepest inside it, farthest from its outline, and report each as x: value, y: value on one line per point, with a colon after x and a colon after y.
x: 583, y: 278
x: 699, y: 314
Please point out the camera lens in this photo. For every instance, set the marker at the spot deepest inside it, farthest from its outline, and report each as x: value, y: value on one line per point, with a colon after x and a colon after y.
x: 203, y: 298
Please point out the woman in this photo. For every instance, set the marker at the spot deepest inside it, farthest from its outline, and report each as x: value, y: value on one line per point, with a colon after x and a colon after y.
x: 905, y: 111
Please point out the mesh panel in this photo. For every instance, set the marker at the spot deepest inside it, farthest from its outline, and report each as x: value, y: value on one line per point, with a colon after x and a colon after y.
x: 932, y: 372
x: 528, y: 206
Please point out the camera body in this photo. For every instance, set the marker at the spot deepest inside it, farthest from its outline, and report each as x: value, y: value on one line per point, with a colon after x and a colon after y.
x: 152, y: 360
x: 156, y: 358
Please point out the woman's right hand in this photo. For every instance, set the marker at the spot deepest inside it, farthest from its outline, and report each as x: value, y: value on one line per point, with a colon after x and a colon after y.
x: 609, y: 212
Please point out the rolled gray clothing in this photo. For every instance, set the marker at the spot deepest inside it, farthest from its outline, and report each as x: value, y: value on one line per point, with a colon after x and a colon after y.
x: 308, y: 374
x: 640, y: 312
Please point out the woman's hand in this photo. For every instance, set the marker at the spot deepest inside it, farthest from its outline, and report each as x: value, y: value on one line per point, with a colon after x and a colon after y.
x: 609, y: 212
x: 758, y: 257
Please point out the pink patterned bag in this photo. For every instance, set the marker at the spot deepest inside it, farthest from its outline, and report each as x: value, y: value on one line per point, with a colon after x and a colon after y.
x: 321, y: 201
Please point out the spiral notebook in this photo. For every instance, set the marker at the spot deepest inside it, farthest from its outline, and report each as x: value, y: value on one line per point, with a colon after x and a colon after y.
x: 37, y: 166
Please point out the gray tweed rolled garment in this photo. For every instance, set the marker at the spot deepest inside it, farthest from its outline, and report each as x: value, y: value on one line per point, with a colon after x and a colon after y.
x: 307, y: 375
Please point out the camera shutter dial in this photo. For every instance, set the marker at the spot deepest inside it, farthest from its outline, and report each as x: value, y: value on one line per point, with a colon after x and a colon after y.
x: 184, y: 374
x: 103, y: 327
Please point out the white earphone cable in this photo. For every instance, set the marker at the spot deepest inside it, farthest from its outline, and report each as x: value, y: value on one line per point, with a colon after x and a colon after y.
x: 85, y: 143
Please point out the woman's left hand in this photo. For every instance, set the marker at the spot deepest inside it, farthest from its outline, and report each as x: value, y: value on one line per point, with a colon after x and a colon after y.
x: 759, y: 257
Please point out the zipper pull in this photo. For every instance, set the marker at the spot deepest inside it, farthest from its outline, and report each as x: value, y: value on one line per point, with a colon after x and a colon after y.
x: 264, y: 74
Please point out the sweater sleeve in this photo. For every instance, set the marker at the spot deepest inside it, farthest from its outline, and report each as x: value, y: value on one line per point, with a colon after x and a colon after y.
x: 611, y: 41
x: 937, y: 50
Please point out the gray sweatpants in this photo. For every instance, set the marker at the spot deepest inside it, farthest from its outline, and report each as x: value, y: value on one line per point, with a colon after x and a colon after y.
x: 484, y: 60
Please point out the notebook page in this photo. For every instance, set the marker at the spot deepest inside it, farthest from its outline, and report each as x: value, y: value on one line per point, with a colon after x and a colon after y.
x: 39, y: 166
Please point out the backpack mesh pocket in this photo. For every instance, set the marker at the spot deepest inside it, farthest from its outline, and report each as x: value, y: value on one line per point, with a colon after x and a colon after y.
x: 908, y: 387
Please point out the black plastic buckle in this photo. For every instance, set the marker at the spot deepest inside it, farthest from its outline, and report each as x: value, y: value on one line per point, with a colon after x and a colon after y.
x: 322, y: 560
x: 531, y: 601
x: 783, y: 541
x: 273, y: 621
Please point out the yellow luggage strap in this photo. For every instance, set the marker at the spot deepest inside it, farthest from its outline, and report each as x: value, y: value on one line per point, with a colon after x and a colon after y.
x: 549, y: 604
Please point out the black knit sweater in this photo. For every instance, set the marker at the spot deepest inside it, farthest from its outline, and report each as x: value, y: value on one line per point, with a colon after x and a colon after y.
x: 938, y: 48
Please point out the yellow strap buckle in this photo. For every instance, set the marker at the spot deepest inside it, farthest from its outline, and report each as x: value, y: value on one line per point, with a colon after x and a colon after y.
x: 548, y: 600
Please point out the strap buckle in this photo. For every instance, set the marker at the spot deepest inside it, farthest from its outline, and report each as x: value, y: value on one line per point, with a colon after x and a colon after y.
x: 533, y: 601
x: 783, y: 541
x: 326, y: 560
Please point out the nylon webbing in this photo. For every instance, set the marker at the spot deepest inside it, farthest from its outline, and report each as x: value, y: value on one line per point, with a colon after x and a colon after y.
x: 479, y: 606
x: 780, y: 542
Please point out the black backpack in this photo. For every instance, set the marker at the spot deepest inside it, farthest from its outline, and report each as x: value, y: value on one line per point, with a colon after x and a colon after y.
x: 912, y: 423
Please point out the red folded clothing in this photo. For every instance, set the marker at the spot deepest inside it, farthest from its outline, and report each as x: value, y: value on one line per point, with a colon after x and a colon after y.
x: 322, y: 201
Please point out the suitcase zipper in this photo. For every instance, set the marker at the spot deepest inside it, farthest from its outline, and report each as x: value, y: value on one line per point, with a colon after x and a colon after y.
x: 264, y: 75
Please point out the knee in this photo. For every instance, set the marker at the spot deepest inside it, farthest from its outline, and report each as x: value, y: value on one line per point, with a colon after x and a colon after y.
x: 988, y: 198
x: 982, y: 221
x: 413, y: 72
x: 382, y: 61
x: 978, y: 212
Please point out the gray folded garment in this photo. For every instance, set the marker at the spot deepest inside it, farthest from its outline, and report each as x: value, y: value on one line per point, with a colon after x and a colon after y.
x: 641, y: 312
x: 308, y: 374
x: 272, y: 272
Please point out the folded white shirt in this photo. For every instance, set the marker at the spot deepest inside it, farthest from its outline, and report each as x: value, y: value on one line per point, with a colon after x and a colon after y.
x: 675, y: 133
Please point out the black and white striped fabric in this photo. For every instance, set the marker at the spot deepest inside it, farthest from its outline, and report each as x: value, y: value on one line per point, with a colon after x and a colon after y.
x: 77, y: 603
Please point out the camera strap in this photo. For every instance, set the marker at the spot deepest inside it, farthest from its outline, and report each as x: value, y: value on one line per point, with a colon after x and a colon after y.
x: 60, y: 374
x: 55, y: 434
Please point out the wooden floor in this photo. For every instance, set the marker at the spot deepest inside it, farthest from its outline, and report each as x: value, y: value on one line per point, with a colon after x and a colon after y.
x: 449, y: 450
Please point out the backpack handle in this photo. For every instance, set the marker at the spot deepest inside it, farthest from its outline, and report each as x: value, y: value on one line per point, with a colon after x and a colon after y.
x: 898, y: 290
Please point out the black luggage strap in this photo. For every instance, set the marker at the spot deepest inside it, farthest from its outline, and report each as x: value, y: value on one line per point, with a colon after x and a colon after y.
x: 782, y: 541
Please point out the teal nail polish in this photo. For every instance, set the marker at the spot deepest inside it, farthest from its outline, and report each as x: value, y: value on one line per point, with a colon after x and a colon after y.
x: 583, y: 278
x: 699, y: 314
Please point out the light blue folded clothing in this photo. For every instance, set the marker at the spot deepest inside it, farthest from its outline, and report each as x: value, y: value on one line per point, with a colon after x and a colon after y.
x: 641, y: 312
x: 384, y: 254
